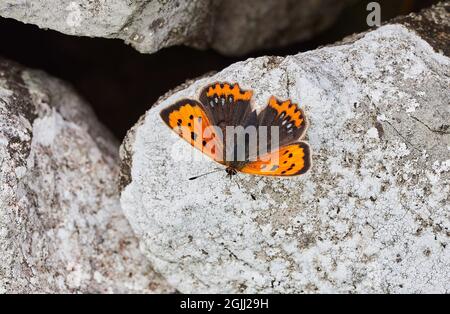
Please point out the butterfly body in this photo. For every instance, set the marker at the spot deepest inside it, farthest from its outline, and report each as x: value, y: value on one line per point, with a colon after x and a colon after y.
x: 223, y: 125
x: 231, y: 171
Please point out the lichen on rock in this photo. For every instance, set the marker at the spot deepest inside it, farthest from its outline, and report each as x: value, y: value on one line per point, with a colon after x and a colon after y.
x: 61, y: 226
x: 372, y: 215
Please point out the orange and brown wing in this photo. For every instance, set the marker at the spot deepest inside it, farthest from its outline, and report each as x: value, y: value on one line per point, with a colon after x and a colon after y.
x: 287, y: 116
x: 223, y: 89
x: 188, y: 119
x: 289, y: 160
x: 228, y: 105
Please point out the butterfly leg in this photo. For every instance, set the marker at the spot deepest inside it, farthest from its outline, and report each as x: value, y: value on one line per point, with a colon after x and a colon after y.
x: 230, y: 172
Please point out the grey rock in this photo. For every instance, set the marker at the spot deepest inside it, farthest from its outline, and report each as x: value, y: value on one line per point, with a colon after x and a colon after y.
x: 232, y: 27
x: 433, y: 25
x: 61, y: 226
x: 372, y: 215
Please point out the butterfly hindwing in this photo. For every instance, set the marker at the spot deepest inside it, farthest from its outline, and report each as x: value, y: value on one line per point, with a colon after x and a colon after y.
x: 290, y: 160
x: 190, y: 121
x: 228, y: 105
x: 290, y: 120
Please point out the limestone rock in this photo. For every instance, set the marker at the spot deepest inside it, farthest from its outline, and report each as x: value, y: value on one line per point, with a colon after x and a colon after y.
x: 232, y: 27
x: 61, y: 226
x: 372, y: 215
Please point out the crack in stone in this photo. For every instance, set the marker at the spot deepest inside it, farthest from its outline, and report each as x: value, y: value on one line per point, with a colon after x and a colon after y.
x: 131, y: 18
x: 441, y: 132
x: 401, y: 135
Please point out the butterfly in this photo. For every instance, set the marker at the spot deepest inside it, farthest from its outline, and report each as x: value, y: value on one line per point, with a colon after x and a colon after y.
x: 205, y: 125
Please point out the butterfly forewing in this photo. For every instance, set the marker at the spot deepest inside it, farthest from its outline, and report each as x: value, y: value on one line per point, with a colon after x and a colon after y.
x: 190, y: 121
x: 289, y: 160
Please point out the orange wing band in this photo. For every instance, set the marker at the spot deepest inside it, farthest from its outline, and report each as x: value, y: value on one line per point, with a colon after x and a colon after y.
x: 190, y: 122
x: 225, y: 89
x: 290, y: 160
x: 291, y: 110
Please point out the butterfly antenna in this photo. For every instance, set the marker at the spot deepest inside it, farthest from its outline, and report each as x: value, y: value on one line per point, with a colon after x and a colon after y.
x: 204, y: 174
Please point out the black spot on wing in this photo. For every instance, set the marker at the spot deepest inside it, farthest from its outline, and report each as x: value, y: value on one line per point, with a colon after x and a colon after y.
x: 287, y: 131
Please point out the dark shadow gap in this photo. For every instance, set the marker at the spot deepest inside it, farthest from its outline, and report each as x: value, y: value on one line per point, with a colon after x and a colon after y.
x: 121, y: 84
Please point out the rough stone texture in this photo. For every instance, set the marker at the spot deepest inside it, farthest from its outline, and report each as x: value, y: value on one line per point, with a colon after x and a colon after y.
x: 433, y: 25
x: 61, y: 226
x: 233, y: 27
x: 372, y: 215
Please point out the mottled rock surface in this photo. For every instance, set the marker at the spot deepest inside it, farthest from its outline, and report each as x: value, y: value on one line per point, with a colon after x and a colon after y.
x: 232, y: 27
x: 372, y: 215
x: 432, y: 24
x: 61, y: 226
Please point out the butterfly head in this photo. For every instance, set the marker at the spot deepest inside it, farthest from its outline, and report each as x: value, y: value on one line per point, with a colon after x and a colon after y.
x: 230, y: 172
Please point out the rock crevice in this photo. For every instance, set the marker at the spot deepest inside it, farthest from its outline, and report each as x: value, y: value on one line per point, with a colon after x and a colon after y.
x: 61, y: 226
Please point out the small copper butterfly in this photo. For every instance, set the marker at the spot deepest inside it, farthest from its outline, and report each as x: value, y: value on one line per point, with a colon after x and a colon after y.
x: 223, y: 105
